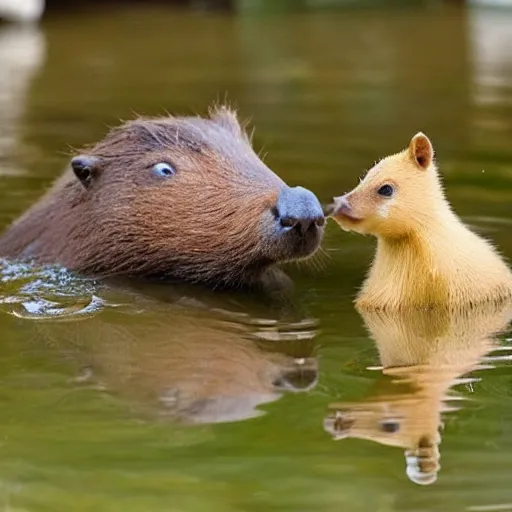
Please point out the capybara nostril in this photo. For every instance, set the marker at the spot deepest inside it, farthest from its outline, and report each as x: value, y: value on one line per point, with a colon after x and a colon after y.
x: 288, y: 222
x: 299, y: 208
x: 320, y: 221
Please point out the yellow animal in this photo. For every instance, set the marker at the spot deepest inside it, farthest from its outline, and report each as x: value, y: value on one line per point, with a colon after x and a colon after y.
x: 426, y: 257
x: 423, y: 355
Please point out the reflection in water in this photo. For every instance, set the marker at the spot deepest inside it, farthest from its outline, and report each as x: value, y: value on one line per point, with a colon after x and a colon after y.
x: 491, y: 41
x: 183, y: 358
x: 26, y: 11
x: 22, y: 52
x: 425, y: 354
x: 47, y: 292
x: 186, y: 364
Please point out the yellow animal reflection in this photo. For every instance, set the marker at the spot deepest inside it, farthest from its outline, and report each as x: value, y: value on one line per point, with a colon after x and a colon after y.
x: 425, y: 353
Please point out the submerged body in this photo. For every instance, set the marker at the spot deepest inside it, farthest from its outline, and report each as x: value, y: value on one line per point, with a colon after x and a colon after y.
x: 426, y: 256
x: 176, y: 198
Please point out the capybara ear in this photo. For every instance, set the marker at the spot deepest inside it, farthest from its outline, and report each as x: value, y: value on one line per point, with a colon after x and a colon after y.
x: 421, y: 150
x: 226, y: 118
x: 85, y: 168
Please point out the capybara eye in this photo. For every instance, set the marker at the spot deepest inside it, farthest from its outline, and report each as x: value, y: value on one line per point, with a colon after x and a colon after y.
x: 385, y: 190
x: 163, y: 170
x: 390, y: 426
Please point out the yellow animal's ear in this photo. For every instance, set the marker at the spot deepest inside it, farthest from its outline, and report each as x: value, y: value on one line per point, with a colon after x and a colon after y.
x: 421, y: 150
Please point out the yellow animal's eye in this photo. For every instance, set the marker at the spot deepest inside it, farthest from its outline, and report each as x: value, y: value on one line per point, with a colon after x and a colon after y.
x: 390, y: 426
x: 385, y: 191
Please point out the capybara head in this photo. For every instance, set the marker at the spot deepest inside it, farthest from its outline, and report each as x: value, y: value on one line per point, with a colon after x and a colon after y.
x: 396, y: 196
x: 173, y: 197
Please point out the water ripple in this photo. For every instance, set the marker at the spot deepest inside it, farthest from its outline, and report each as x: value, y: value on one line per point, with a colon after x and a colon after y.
x: 47, y: 292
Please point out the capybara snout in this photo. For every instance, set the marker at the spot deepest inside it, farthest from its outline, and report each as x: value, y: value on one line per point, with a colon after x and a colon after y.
x: 300, y: 221
x: 173, y: 197
x: 299, y: 208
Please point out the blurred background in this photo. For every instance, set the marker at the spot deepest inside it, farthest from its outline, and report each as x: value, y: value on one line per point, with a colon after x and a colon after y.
x: 331, y: 86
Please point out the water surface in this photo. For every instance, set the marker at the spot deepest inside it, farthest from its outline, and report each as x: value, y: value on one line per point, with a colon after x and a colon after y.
x: 191, y: 401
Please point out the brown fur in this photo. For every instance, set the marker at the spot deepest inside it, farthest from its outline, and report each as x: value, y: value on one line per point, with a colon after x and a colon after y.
x: 211, y: 222
x: 425, y: 256
x: 425, y: 353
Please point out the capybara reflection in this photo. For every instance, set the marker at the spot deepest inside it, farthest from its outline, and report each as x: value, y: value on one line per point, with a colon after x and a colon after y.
x: 424, y: 354
x: 185, y: 365
x: 178, y: 198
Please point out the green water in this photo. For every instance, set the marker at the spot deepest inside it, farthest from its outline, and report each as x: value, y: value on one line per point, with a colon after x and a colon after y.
x: 114, y: 401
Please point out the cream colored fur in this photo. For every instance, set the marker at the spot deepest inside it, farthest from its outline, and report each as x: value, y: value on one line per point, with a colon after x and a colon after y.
x: 425, y: 353
x: 426, y: 256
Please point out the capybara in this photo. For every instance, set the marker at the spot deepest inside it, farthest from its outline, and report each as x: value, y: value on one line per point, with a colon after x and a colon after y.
x: 426, y: 257
x: 425, y: 353
x: 182, y: 198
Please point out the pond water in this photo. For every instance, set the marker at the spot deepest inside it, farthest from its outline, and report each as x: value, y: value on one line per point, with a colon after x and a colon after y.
x: 185, y: 400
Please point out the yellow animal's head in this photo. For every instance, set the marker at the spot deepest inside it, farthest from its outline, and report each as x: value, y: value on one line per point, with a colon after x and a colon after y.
x: 398, y: 195
x: 404, y: 421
